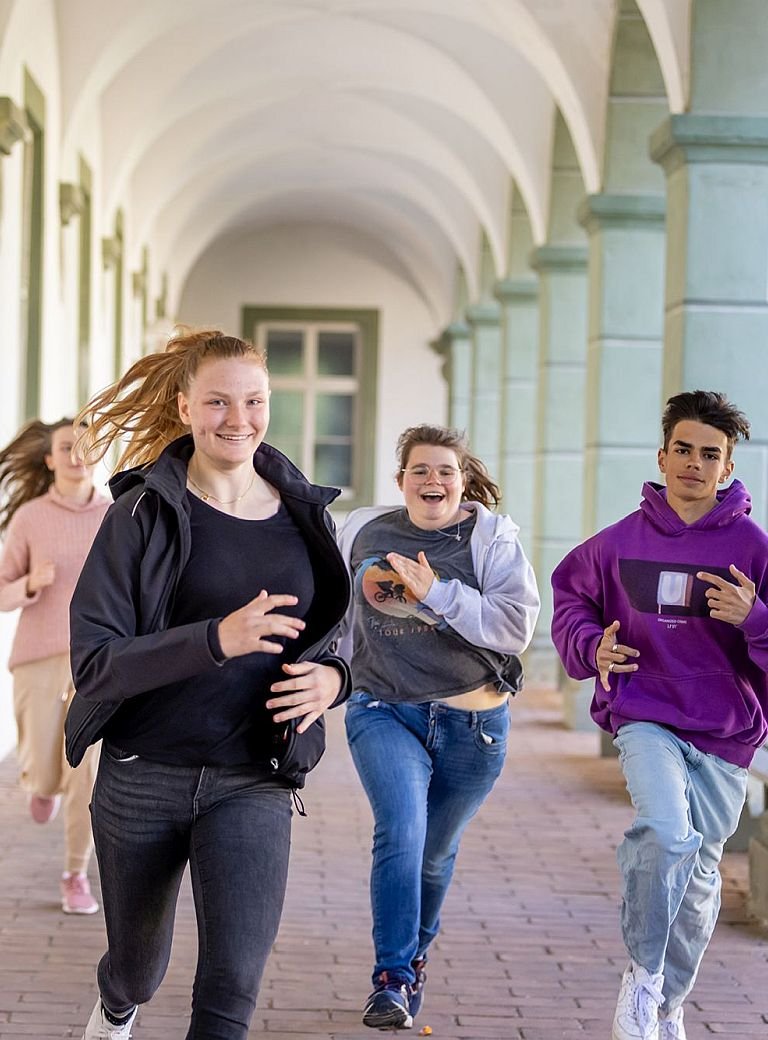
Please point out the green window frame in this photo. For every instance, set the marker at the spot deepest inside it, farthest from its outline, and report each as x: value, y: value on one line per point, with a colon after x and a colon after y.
x: 117, y: 334
x: 85, y: 247
x: 33, y: 228
x: 323, y: 364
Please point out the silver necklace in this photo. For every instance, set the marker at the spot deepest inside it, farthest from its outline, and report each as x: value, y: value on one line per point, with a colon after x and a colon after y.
x: 206, y: 495
x: 456, y: 536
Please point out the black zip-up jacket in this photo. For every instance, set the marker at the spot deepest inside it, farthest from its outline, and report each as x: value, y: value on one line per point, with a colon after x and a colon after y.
x: 120, y: 641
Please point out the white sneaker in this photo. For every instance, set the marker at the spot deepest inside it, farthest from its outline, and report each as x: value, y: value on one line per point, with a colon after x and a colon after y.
x: 637, y: 1009
x: 671, y: 1026
x: 100, y: 1028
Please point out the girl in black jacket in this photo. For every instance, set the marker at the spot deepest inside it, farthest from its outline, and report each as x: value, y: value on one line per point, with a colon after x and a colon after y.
x: 202, y: 630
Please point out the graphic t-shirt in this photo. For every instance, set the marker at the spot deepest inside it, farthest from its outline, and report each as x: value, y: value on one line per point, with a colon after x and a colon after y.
x: 402, y: 650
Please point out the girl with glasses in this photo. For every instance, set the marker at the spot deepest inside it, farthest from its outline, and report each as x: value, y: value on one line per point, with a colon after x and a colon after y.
x: 445, y: 601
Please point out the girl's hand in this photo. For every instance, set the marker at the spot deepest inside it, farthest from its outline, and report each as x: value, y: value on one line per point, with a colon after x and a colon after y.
x: 417, y: 574
x: 311, y: 689
x: 40, y: 577
x: 247, y: 630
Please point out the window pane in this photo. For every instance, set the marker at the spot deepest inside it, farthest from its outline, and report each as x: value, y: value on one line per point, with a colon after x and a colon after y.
x: 286, y: 415
x: 285, y: 351
x: 334, y: 415
x: 290, y: 446
x: 333, y: 464
x: 336, y: 353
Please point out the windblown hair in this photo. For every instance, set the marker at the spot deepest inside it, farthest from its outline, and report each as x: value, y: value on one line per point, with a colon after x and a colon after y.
x: 24, y: 474
x: 479, y: 485
x: 708, y: 407
x: 142, y: 406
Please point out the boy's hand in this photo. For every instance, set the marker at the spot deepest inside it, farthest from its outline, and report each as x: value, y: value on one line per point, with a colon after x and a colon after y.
x: 726, y: 601
x: 611, y: 656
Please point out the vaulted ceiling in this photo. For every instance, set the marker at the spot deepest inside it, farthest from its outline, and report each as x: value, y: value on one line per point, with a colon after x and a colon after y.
x: 405, y: 119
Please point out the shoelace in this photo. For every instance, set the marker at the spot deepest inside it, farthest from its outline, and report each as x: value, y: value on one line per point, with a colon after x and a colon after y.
x: 394, y: 983
x: 644, y: 993
x: 671, y: 1029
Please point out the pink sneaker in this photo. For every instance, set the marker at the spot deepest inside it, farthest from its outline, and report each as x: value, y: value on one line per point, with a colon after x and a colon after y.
x: 43, y: 810
x: 76, y: 895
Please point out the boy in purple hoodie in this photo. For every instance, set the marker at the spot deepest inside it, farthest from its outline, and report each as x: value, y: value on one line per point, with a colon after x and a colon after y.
x: 667, y: 608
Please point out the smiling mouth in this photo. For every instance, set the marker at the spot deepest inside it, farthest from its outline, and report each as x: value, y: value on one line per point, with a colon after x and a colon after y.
x: 432, y: 496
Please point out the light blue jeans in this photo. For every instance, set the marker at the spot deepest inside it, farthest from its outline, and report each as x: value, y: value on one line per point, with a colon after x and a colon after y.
x: 688, y: 804
x: 426, y: 768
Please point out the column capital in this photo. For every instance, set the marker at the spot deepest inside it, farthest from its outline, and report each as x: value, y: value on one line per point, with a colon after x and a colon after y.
x: 556, y: 257
x: 111, y: 251
x: 457, y: 330
x: 71, y: 201
x: 486, y: 313
x: 622, y: 211
x: 692, y: 138
x: 13, y: 125
x: 516, y: 290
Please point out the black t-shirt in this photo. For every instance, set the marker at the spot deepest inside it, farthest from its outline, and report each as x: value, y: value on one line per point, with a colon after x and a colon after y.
x: 219, y: 718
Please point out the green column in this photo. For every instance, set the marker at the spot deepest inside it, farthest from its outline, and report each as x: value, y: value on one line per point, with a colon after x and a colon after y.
x: 624, y: 357
x: 483, y: 320
x: 519, y: 300
x: 561, y: 414
x: 456, y: 346
x: 716, y: 324
x: 716, y: 162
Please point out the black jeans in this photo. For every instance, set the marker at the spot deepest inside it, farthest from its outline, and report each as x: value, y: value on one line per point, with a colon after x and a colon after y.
x: 232, y: 824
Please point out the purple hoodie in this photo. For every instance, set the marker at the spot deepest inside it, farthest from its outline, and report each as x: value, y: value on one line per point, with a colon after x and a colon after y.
x: 702, y: 678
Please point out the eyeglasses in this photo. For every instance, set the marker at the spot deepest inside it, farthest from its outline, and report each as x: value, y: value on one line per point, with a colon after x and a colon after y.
x: 445, y: 474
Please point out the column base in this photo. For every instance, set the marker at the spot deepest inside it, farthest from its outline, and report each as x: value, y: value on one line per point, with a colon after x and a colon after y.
x: 758, y: 873
x: 577, y: 698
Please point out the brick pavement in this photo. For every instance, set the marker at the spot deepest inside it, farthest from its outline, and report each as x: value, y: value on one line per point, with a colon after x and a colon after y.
x: 530, y: 948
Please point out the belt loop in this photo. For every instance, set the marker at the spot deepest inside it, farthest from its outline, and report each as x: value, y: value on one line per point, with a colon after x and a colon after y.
x: 473, y: 720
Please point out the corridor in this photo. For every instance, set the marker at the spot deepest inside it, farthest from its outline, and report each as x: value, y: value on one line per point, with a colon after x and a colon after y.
x: 530, y: 948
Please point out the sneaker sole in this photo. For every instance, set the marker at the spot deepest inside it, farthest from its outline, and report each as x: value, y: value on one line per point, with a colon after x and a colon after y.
x: 85, y: 910
x: 395, y: 1019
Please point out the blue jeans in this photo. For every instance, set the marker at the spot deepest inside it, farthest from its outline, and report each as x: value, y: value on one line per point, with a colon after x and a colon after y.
x: 688, y: 804
x: 233, y: 827
x: 426, y: 769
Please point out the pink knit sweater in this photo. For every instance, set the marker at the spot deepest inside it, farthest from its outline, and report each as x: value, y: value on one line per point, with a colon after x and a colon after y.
x: 54, y: 528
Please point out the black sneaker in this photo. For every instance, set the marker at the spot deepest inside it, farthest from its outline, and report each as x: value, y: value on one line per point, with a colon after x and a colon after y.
x: 388, y: 1007
x: 417, y: 987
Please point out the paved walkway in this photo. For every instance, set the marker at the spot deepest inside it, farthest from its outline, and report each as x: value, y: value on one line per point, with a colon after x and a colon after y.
x: 530, y: 947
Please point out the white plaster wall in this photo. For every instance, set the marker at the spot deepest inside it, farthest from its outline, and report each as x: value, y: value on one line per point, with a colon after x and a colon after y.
x: 323, y: 266
x: 29, y: 39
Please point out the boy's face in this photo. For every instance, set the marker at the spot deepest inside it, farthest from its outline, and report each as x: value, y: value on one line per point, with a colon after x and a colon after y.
x: 694, y: 463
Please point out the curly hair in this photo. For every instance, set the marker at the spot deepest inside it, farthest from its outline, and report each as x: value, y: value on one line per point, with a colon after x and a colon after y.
x: 24, y: 474
x: 142, y: 406
x: 479, y: 486
x: 708, y: 407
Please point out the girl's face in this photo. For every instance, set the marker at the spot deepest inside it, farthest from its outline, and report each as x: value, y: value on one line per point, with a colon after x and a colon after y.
x: 227, y: 410
x: 62, y: 460
x: 432, y: 486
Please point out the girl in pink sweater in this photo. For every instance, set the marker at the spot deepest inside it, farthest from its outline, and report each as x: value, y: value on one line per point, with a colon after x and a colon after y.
x: 49, y: 516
